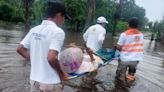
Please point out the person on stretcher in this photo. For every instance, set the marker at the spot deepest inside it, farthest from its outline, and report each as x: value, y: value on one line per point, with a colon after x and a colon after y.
x: 75, y: 60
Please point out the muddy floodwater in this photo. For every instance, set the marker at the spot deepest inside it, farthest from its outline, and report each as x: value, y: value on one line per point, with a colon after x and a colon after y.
x: 14, y: 71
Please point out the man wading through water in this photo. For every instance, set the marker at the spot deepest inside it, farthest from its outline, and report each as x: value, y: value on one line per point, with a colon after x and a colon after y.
x: 41, y: 46
x: 94, y: 36
x: 130, y: 44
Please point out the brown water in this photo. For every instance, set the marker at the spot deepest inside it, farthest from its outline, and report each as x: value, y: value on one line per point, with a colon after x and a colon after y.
x: 14, y: 73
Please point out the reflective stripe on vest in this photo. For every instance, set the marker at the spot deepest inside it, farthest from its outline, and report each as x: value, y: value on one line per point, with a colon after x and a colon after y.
x: 136, y: 45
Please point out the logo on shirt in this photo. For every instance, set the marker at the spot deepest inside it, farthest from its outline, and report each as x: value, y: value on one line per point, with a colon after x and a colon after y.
x: 137, y: 39
x: 94, y: 29
x: 38, y: 36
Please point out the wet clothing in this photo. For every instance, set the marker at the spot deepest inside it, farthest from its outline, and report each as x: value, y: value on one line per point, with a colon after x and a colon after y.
x: 132, y: 45
x: 39, y: 40
x: 131, y: 53
x: 40, y: 87
x: 124, y: 66
x: 94, y: 37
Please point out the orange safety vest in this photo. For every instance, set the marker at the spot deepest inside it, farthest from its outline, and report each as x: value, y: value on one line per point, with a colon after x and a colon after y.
x: 133, y: 46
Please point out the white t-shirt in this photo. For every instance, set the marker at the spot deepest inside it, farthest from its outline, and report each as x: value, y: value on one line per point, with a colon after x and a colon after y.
x: 94, y: 37
x: 39, y: 41
x: 132, y: 47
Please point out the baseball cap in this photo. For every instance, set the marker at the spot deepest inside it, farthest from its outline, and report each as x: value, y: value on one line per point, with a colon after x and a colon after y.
x: 102, y: 20
x: 56, y: 7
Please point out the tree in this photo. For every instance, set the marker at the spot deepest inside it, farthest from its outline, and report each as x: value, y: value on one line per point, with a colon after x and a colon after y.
x: 83, y: 13
x: 26, y: 4
x: 117, y: 15
x: 11, y: 11
x: 121, y: 26
x: 107, y: 9
x: 76, y: 10
x: 125, y: 9
x: 130, y: 9
x: 5, y: 12
x: 90, y: 12
x: 157, y: 28
x: 37, y: 13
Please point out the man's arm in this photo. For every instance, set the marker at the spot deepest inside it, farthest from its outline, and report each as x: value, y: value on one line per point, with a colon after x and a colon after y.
x: 24, y: 44
x: 85, y: 37
x: 54, y: 48
x: 120, y: 42
x: 118, y: 47
x: 53, y: 61
x: 89, y: 51
x: 23, y: 52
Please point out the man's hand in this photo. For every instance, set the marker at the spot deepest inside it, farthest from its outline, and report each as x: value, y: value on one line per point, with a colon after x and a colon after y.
x: 63, y: 76
x: 90, y: 53
x: 53, y: 61
x: 119, y: 47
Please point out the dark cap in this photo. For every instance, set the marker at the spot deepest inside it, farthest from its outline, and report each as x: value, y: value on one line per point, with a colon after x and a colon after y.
x: 54, y: 8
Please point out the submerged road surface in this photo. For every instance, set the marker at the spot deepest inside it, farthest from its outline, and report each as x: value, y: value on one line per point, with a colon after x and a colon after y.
x: 14, y: 73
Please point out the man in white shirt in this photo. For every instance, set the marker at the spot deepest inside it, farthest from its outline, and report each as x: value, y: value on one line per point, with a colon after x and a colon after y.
x: 41, y: 46
x: 94, y: 36
x: 130, y: 44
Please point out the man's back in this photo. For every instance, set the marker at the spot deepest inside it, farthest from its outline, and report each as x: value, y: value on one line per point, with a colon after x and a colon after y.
x: 132, y: 45
x: 94, y: 37
x: 42, y: 45
x: 40, y: 39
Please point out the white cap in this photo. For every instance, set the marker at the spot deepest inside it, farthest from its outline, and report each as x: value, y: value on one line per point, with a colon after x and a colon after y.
x: 102, y: 20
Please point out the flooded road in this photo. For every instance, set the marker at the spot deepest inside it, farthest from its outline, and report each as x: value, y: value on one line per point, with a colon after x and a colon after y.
x: 14, y: 73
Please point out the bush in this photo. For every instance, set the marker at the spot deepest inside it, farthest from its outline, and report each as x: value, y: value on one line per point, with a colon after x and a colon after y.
x: 121, y: 26
x: 5, y: 12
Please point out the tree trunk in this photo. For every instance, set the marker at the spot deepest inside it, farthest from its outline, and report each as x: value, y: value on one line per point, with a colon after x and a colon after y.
x: 117, y: 16
x: 114, y: 27
x: 90, y: 13
x: 26, y: 15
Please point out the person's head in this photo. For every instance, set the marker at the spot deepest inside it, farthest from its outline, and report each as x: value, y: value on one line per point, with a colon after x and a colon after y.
x: 102, y: 21
x: 133, y: 23
x: 56, y: 12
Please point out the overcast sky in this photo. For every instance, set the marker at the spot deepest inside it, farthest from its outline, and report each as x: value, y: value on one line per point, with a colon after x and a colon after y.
x: 154, y: 8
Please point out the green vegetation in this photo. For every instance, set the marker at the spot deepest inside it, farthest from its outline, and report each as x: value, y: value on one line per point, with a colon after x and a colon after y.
x: 157, y: 29
x: 76, y: 10
x: 83, y: 13
x: 121, y: 26
x: 11, y: 11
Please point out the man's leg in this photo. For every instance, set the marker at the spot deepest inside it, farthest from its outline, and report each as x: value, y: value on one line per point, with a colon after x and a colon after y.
x: 132, y: 70
x: 56, y: 88
x: 121, y: 70
x: 133, y: 67
x: 40, y: 87
x: 35, y: 86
